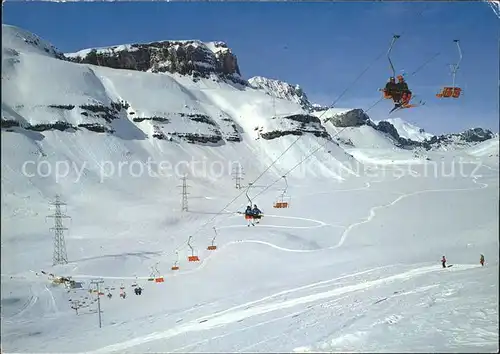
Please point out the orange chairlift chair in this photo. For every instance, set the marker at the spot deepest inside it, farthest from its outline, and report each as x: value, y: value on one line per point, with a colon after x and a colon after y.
x: 176, y: 263
x: 155, y: 274
x: 192, y: 257
x: 452, y: 91
x: 213, y: 247
x: 283, y: 201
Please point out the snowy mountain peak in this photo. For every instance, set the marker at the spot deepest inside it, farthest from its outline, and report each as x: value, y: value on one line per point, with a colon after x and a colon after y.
x: 185, y: 57
x: 407, y: 130
x: 281, y: 89
x: 15, y: 39
x: 214, y: 47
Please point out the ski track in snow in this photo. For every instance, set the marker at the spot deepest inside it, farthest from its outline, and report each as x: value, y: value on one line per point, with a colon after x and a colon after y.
x: 225, y: 316
x: 343, y: 238
x: 236, y: 314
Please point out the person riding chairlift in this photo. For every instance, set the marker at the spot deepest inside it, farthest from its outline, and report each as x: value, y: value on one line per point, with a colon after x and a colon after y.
x: 248, y: 212
x: 390, y: 88
x: 256, y: 211
x: 403, y: 90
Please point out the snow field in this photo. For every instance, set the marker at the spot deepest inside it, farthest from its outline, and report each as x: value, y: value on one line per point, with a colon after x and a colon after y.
x: 352, y: 265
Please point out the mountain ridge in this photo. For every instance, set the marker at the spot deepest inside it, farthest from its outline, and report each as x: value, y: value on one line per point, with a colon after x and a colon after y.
x: 102, y: 113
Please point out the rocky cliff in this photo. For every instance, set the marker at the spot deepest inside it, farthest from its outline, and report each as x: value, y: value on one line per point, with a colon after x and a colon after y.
x: 351, y: 118
x: 438, y: 142
x: 191, y: 57
x: 357, y: 118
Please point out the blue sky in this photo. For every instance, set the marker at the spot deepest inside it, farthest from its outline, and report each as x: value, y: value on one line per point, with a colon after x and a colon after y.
x: 322, y: 47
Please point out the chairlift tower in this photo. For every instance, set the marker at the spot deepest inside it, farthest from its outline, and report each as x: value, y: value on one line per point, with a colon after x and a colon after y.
x: 97, y: 283
x: 60, y: 255
x: 184, y: 201
x: 238, y: 175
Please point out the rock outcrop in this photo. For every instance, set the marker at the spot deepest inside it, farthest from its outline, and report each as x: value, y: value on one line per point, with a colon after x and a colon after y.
x: 454, y: 140
x: 184, y: 57
x: 353, y: 118
x: 297, y: 124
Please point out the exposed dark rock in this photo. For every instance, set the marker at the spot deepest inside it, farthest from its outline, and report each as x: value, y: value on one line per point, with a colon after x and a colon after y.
x: 61, y: 106
x: 304, y: 118
x: 199, y: 138
x: 154, y: 119
x: 201, y: 118
x: 59, y: 125
x: 388, y: 128
x: 468, y: 137
x: 98, y: 128
x: 353, y: 118
x: 183, y: 57
x: 477, y: 135
x: 8, y: 123
x: 107, y: 113
x: 308, y: 124
x: 158, y: 134
x: 235, y: 136
x: 279, y: 133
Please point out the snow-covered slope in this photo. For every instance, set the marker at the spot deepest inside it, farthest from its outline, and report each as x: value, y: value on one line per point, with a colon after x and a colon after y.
x: 357, y: 245
x: 281, y: 89
x: 408, y: 130
x: 486, y: 148
x: 15, y: 38
x: 43, y: 93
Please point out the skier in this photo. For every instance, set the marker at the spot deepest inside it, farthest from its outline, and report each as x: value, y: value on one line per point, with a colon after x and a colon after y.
x: 481, y: 260
x: 443, y: 261
x: 138, y: 290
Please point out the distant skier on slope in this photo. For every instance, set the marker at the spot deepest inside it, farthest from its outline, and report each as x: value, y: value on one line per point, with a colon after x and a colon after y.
x: 443, y: 261
x: 481, y: 260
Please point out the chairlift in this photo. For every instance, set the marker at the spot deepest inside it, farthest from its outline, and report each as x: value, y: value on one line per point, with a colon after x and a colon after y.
x: 213, y: 247
x: 452, y: 91
x: 394, y: 39
x: 175, y: 266
x: 192, y: 257
x: 247, y: 217
x: 283, y: 201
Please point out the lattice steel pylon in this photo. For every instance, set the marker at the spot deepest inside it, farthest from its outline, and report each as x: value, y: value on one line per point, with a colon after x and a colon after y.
x: 184, y: 186
x: 238, y: 175
x: 60, y: 255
